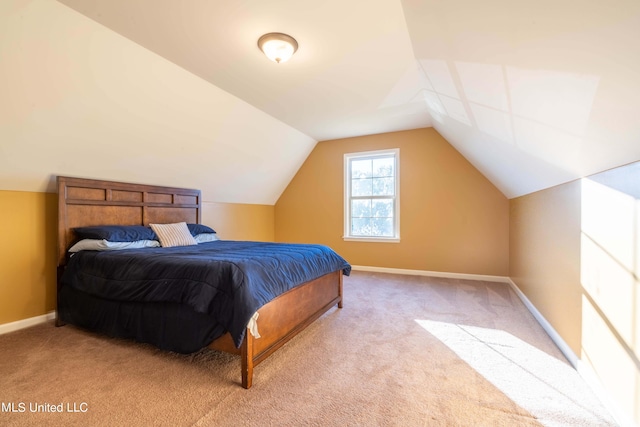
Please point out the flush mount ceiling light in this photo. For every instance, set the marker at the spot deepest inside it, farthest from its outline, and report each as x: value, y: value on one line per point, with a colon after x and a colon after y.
x: 277, y: 46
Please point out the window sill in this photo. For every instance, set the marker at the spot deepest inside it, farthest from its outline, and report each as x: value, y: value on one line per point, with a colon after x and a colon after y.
x: 371, y: 239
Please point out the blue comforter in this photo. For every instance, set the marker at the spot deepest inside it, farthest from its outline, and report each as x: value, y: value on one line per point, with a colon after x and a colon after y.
x: 229, y: 280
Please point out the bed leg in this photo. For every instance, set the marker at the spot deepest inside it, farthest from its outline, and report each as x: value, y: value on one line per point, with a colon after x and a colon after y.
x: 247, y: 360
x: 340, y: 290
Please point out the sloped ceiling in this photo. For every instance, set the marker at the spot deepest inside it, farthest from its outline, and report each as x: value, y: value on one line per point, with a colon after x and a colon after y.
x: 532, y: 93
x: 78, y: 99
x: 354, y: 73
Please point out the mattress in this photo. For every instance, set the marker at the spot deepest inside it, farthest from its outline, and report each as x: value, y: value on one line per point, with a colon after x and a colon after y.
x: 225, y: 282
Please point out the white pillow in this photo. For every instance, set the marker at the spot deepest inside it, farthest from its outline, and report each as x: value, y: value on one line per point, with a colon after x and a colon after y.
x: 105, y: 245
x: 170, y: 235
x: 206, y: 237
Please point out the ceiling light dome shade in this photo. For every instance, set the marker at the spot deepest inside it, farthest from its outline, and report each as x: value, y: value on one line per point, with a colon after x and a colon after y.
x: 278, y: 47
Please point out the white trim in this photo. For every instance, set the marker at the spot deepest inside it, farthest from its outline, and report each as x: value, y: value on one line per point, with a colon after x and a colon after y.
x: 503, y: 279
x: 395, y: 152
x: 25, y: 323
x: 584, y: 370
x: 553, y: 334
x: 371, y: 239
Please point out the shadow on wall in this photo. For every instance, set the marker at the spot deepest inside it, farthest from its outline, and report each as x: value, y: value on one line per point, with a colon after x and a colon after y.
x: 610, y: 267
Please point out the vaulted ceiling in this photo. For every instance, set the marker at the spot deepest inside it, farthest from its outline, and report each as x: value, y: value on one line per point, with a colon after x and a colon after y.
x: 533, y: 94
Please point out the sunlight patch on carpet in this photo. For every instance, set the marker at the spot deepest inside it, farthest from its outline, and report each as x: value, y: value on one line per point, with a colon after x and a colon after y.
x: 548, y: 388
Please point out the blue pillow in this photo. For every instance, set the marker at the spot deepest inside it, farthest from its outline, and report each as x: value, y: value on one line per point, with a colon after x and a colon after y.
x: 116, y: 233
x: 196, y: 229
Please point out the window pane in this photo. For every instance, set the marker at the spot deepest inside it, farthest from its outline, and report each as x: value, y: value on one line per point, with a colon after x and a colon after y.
x: 371, y: 197
x: 383, y: 167
x: 361, y: 227
x: 361, y: 187
x: 361, y: 168
x: 361, y: 208
x: 382, y: 187
x: 382, y: 208
x: 382, y: 227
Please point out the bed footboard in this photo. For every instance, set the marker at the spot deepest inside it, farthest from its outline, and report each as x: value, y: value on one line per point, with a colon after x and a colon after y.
x: 282, y: 319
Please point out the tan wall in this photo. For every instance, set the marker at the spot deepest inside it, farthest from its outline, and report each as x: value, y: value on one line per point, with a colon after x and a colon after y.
x: 575, y: 253
x: 234, y: 221
x: 28, y: 233
x: 28, y: 254
x: 544, y: 253
x: 452, y: 218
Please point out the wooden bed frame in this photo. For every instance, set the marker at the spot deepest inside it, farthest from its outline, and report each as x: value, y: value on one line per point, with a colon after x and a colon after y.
x: 85, y: 202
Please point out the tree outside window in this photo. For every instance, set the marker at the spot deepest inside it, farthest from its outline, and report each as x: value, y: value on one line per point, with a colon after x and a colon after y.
x: 371, y: 189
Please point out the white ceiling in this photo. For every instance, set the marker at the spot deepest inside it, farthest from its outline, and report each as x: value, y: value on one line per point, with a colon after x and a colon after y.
x: 533, y: 94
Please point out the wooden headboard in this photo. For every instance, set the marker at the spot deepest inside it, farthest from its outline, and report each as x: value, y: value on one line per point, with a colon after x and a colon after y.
x: 85, y: 202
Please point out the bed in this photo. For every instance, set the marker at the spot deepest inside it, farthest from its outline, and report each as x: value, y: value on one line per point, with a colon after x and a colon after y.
x: 245, y: 298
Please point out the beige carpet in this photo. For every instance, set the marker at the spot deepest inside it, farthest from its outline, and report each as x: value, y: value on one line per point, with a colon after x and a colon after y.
x: 404, y: 351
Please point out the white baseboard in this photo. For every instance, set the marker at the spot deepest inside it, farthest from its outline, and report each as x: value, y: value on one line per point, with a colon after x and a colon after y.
x: 503, y: 279
x: 553, y: 334
x: 25, y: 323
x: 585, y: 371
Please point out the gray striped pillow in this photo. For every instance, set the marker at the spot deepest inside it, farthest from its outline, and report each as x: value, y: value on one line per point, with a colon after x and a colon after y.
x: 177, y: 234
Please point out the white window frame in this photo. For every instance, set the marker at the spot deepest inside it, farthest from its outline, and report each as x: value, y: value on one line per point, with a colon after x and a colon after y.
x: 395, y: 152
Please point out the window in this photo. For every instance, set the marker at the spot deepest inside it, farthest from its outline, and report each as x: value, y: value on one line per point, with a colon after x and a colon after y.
x: 372, y: 203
